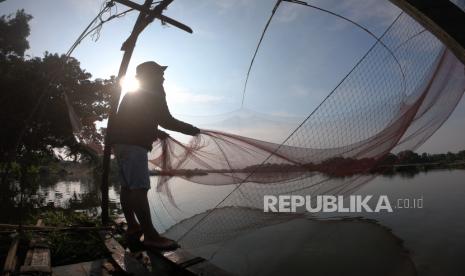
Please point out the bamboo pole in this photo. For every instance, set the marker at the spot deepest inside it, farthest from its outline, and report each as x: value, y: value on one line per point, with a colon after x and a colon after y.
x: 128, y: 48
x: 39, y: 228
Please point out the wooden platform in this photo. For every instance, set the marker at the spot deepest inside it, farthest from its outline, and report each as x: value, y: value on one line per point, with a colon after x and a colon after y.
x: 38, y: 259
x: 179, y: 262
x: 94, y: 268
x: 193, y: 264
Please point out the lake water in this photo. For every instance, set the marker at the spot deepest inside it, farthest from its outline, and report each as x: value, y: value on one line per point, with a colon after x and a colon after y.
x: 432, y: 237
x: 434, y: 234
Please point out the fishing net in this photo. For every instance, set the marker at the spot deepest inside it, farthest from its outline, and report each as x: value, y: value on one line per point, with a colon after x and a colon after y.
x: 398, y: 94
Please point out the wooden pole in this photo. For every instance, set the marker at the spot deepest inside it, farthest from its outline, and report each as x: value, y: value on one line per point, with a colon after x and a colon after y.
x: 160, y: 16
x: 442, y: 18
x: 128, y: 47
x: 43, y: 228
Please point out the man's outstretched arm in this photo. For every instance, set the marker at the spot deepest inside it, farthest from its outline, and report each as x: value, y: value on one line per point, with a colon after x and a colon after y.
x: 167, y: 121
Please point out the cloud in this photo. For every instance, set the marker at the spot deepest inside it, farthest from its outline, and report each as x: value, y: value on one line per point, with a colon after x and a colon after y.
x: 177, y: 94
x: 267, y: 127
x: 205, y: 33
x: 289, y: 12
x: 299, y: 91
x: 186, y: 97
x: 87, y: 6
x: 363, y: 10
x: 286, y: 115
x: 373, y: 12
x: 228, y: 4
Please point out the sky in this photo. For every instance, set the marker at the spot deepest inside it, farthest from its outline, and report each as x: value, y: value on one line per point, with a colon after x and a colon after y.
x: 305, y: 53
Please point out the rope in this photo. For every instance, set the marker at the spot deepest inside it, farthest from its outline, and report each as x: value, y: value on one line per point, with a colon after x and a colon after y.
x: 378, y: 39
x: 256, y: 50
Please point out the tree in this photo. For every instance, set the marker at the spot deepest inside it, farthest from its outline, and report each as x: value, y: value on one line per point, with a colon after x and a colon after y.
x: 13, y: 33
x: 32, y: 97
x: 409, y: 156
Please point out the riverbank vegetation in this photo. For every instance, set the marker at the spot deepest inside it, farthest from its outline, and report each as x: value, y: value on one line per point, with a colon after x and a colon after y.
x: 34, y: 115
x: 66, y: 247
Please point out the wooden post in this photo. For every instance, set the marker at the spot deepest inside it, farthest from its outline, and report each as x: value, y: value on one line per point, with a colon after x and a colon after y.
x: 128, y: 48
x: 160, y: 16
x: 142, y: 21
x: 442, y: 18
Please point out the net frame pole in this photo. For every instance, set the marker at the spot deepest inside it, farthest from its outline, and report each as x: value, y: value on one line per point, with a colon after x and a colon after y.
x: 442, y: 18
x: 160, y: 16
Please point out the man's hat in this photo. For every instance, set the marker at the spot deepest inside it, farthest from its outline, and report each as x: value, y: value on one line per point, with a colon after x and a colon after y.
x: 149, y: 67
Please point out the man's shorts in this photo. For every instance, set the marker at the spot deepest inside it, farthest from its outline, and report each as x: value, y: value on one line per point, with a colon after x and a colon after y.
x: 133, y: 166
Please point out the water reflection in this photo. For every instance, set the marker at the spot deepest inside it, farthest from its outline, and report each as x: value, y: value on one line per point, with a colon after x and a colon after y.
x: 76, y: 195
x: 247, y: 241
x: 437, y: 227
x: 69, y: 191
x: 433, y: 234
x: 297, y: 245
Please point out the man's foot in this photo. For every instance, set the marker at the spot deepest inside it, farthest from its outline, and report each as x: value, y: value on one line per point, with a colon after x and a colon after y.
x: 132, y: 238
x: 161, y: 244
x: 134, y: 229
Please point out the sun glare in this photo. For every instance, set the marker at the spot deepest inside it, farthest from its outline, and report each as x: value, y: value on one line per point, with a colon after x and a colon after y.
x: 129, y: 84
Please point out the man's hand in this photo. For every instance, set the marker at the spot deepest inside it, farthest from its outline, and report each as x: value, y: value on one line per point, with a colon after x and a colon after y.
x: 162, y: 135
x: 195, y: 131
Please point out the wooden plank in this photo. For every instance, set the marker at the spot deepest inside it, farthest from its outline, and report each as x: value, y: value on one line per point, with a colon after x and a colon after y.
x: 108, y: 267
x: 81, y: 269
x: 11, y: 259
x: 38, y: 258
x: 207, y: 269
x: 178, y: 262
x: 162, y: 266
x: 442, y: 18
x: 123, y: 259
x: 49, y: 228
x: 40, y: 223
x: 193, y: 264
x: 178, y: 256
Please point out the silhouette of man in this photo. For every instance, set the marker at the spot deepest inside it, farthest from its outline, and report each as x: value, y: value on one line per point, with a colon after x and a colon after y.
x: 135, y: 129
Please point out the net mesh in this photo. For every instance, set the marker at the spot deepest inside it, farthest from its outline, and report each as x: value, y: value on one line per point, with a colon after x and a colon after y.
x: 394, y: 99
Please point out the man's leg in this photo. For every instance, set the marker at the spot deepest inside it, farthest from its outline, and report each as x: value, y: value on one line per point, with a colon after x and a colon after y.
x: 139, y: 201
x: 133, y: 162
x: 122, y: 158
x: 142, y: 209
x: 128, y: 210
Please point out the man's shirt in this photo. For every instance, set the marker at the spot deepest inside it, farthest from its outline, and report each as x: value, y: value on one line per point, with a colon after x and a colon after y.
x: 139, y: 115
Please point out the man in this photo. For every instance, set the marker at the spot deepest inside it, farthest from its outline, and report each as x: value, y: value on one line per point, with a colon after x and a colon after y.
x: 135, y: 129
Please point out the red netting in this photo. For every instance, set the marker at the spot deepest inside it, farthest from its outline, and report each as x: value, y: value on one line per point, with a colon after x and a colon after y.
x: 394, y: 99
x: 384, y: 105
